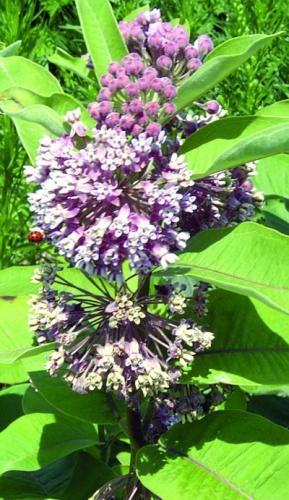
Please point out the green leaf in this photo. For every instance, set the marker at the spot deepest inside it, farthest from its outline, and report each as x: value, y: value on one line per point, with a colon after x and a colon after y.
x: 101, y: 34
x: 16, y: 99
x: 230, y: 142
x: 273, y: 176
x: 89, y: 475
x: 33, y: 402
x: 276, y: 214
x: 14, y: 332
x: 13, y: 374
x: 11, y: 404
x: 16, y: 281
x: 20, y: 72
x: 41, y: 115
x: 51, y: 480
x: 239, y: 259
x: 222, y: 61
x: 246, y: 349
x: 17, y: 71
x: 16, y: 339
x: 272, y: 407
x: 11, y: 49
x: 39, y: 439
x: 228, y: 455
x: 92, y: 407
x: 64, y: 60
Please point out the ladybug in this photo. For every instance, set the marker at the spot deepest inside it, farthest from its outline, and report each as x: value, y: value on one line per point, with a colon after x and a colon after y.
x: 36, y: 235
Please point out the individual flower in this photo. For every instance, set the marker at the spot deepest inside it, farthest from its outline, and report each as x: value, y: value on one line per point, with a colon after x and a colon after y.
x: 110, y: 198
x: 111, y: 342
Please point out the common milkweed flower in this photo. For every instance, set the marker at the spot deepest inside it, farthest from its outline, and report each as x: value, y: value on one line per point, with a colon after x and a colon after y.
x: 114, y: 198
x: 113, y: 341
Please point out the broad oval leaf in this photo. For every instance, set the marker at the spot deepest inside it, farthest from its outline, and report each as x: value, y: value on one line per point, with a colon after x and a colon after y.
x: 230, y: 454
x: 20, y: 72
x: 39, y: 439
x: 11, y: 404
x: 16, y: 280
x: 229, y: 142
x: 92, y: 407
x: 101, y: 34
x: 248, y: 259
x: 273, y: 176
x: 219, y: 64
x: 248, y: 349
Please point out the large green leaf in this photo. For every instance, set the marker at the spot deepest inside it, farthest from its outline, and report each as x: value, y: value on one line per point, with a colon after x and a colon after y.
x: 16, y: 99
x: 13, y: 374
x: 273, y: 176
x: 49, y: 482
x: 38, y: 439
x: 276, y: 214
x: 16, y: 340
x: 248, y: 348
x: 248, y: 259
x: 20, y: 72
x: 11, y: 404
x: 101, y: 34
x: 230, y: 142
x: 226, y: 455
x: 16, y: 281
x: 222, y: 61
x: 92, y: 407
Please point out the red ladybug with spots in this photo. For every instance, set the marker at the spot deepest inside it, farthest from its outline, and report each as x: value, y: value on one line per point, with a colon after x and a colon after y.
x: 36, y: 235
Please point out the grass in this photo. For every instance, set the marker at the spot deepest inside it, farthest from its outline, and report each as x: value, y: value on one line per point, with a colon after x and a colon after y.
x: 43, y: 25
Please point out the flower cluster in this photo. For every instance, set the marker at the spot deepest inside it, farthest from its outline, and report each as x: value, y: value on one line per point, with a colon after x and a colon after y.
x: 105, y: 202
x: 184, y: 403
x: 164, y: 46
x: 115, y: 343
x: 135, y: 97
x: 223, y: 199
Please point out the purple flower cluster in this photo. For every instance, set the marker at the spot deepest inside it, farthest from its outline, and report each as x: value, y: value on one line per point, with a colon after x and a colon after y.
x: 164, y: 46
x: 109, y: 201
x: 134, y: 97
x: 114, y: 343
x: 223, y: 199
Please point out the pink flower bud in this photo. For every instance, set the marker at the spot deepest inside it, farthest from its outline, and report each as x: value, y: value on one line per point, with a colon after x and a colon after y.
x: 212, y: 107
x: 152, y: 108
x: 106, y: 79
x: 112, y: 119
x: 104, y: 95
x: 204, y: 44
x: 170, y: 91
x: 164, y: 62
x: 93, y: 109
x: 170, y: 49
x: 114, y: 67
x: 105, y: 107
x: 153, y: 129
x: 126, y: 122
x: 136, y: 130
x: 191, y: 52
x: 169, y: 108
x: 132, y: 89
x: 193, y: 64
x: 156, y: 84
x: 136, y: 106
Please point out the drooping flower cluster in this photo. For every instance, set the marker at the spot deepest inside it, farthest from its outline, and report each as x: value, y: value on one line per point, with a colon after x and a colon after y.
x: 164, y: 46
x: 115, y: 343
x: 184, y: 403
x: 108, y: 200
x: 223, y: 199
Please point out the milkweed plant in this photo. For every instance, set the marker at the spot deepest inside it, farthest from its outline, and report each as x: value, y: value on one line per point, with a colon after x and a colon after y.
x: 157, y: 314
